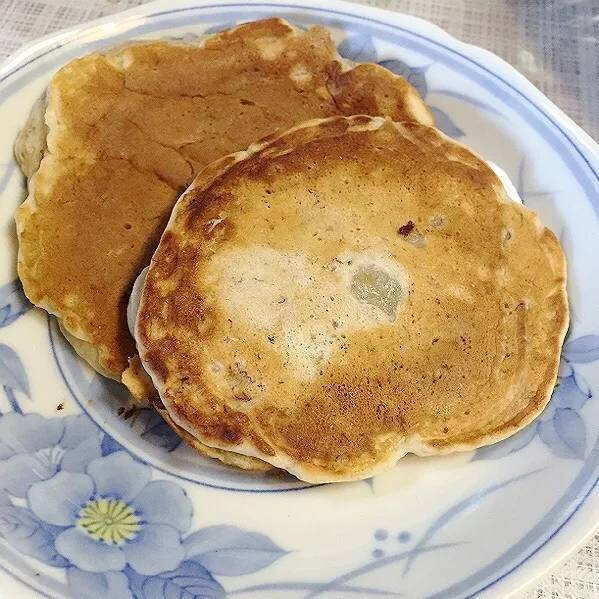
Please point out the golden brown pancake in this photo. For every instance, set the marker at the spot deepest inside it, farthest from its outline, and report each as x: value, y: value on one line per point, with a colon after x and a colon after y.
x: 124, y: 133
x: 348, y: 292
x: 226, y: 457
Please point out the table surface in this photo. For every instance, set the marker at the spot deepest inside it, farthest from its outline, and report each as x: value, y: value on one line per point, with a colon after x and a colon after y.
x: 552, y: 42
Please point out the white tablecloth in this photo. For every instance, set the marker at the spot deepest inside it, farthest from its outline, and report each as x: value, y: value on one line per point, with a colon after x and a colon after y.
x: 552, y: 42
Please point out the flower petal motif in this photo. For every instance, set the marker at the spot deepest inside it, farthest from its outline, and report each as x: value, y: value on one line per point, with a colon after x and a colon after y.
x: 156, y: 431
x: 77, y: 459
x: 157, y: 548
x: 566, y: 394
x: 564, y: 368
x: 77, y: 430
x: 359, y: 48
x: 444, y: 123
x: 22, y: 470
x: 582, y: 384
x: 119, y: 476
x: 163, y: 502
x: 582, y: 349
x: 27, y: 433
x: 30, y: 536
x: 87, y: 554
x: 108, y: 524
x: 59, y: 499
x: 90, y: 585
x: 564, y: 434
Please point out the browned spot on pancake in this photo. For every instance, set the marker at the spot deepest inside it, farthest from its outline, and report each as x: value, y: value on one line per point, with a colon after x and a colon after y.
x: 406, y: 229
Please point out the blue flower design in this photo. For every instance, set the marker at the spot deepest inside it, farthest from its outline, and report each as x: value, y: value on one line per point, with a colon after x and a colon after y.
x: 72, y: 498
x: 561, y: 427
x: 113, y: 516
x: 88, y: 585
x: 571, y: 392
x: 416, y: 76
x: 33, y: 448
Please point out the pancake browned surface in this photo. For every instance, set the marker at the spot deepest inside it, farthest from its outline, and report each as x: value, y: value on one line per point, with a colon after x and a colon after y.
x: 128, y: 129
x: 351, y: 291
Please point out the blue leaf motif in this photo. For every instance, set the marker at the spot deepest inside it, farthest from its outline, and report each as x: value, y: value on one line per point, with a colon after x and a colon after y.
x: 468, y: 99
x: 565, y: 434
x: 12, y: 373
x: 13, y: 303
x: 445, y: 124
x: 29, y: 535
x: 110, y: 445
x: 7, y: 176
x: 415, y: 76
x: 231, y: 551
x: 568, y: 394
x: 189, y: 581
x: 158, y: 432
x: 564, y: 367
x: 91, y: 585
x: 582, y: 350
x: 582, y: 385
x: 504, y: 448
x: 358, y: 48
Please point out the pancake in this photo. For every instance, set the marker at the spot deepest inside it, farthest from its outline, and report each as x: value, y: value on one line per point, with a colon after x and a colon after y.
x: 121, y: 133
x: 135, y: 375
x: 350, y: 291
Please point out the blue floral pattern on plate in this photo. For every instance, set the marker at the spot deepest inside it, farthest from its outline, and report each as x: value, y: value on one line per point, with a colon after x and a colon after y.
x: 13, y: 301
x: 72, y: 500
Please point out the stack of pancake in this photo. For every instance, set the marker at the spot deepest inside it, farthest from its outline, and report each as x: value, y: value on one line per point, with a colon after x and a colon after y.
x: 339, y: 284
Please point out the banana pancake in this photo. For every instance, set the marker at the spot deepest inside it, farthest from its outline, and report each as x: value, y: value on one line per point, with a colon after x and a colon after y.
x: 122, y: 133
x: 350, y: 291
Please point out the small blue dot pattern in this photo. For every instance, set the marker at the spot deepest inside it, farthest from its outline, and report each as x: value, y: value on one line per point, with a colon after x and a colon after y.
x: 380, y: 534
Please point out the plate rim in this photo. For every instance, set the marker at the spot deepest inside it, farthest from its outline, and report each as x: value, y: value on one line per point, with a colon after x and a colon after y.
x: 514, y: 580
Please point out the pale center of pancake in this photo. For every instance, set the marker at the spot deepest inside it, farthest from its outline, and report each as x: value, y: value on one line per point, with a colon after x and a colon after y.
x: 306, y: 306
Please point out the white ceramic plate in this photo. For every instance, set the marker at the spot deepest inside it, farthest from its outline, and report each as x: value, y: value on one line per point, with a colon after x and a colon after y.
x: 480, y: 524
